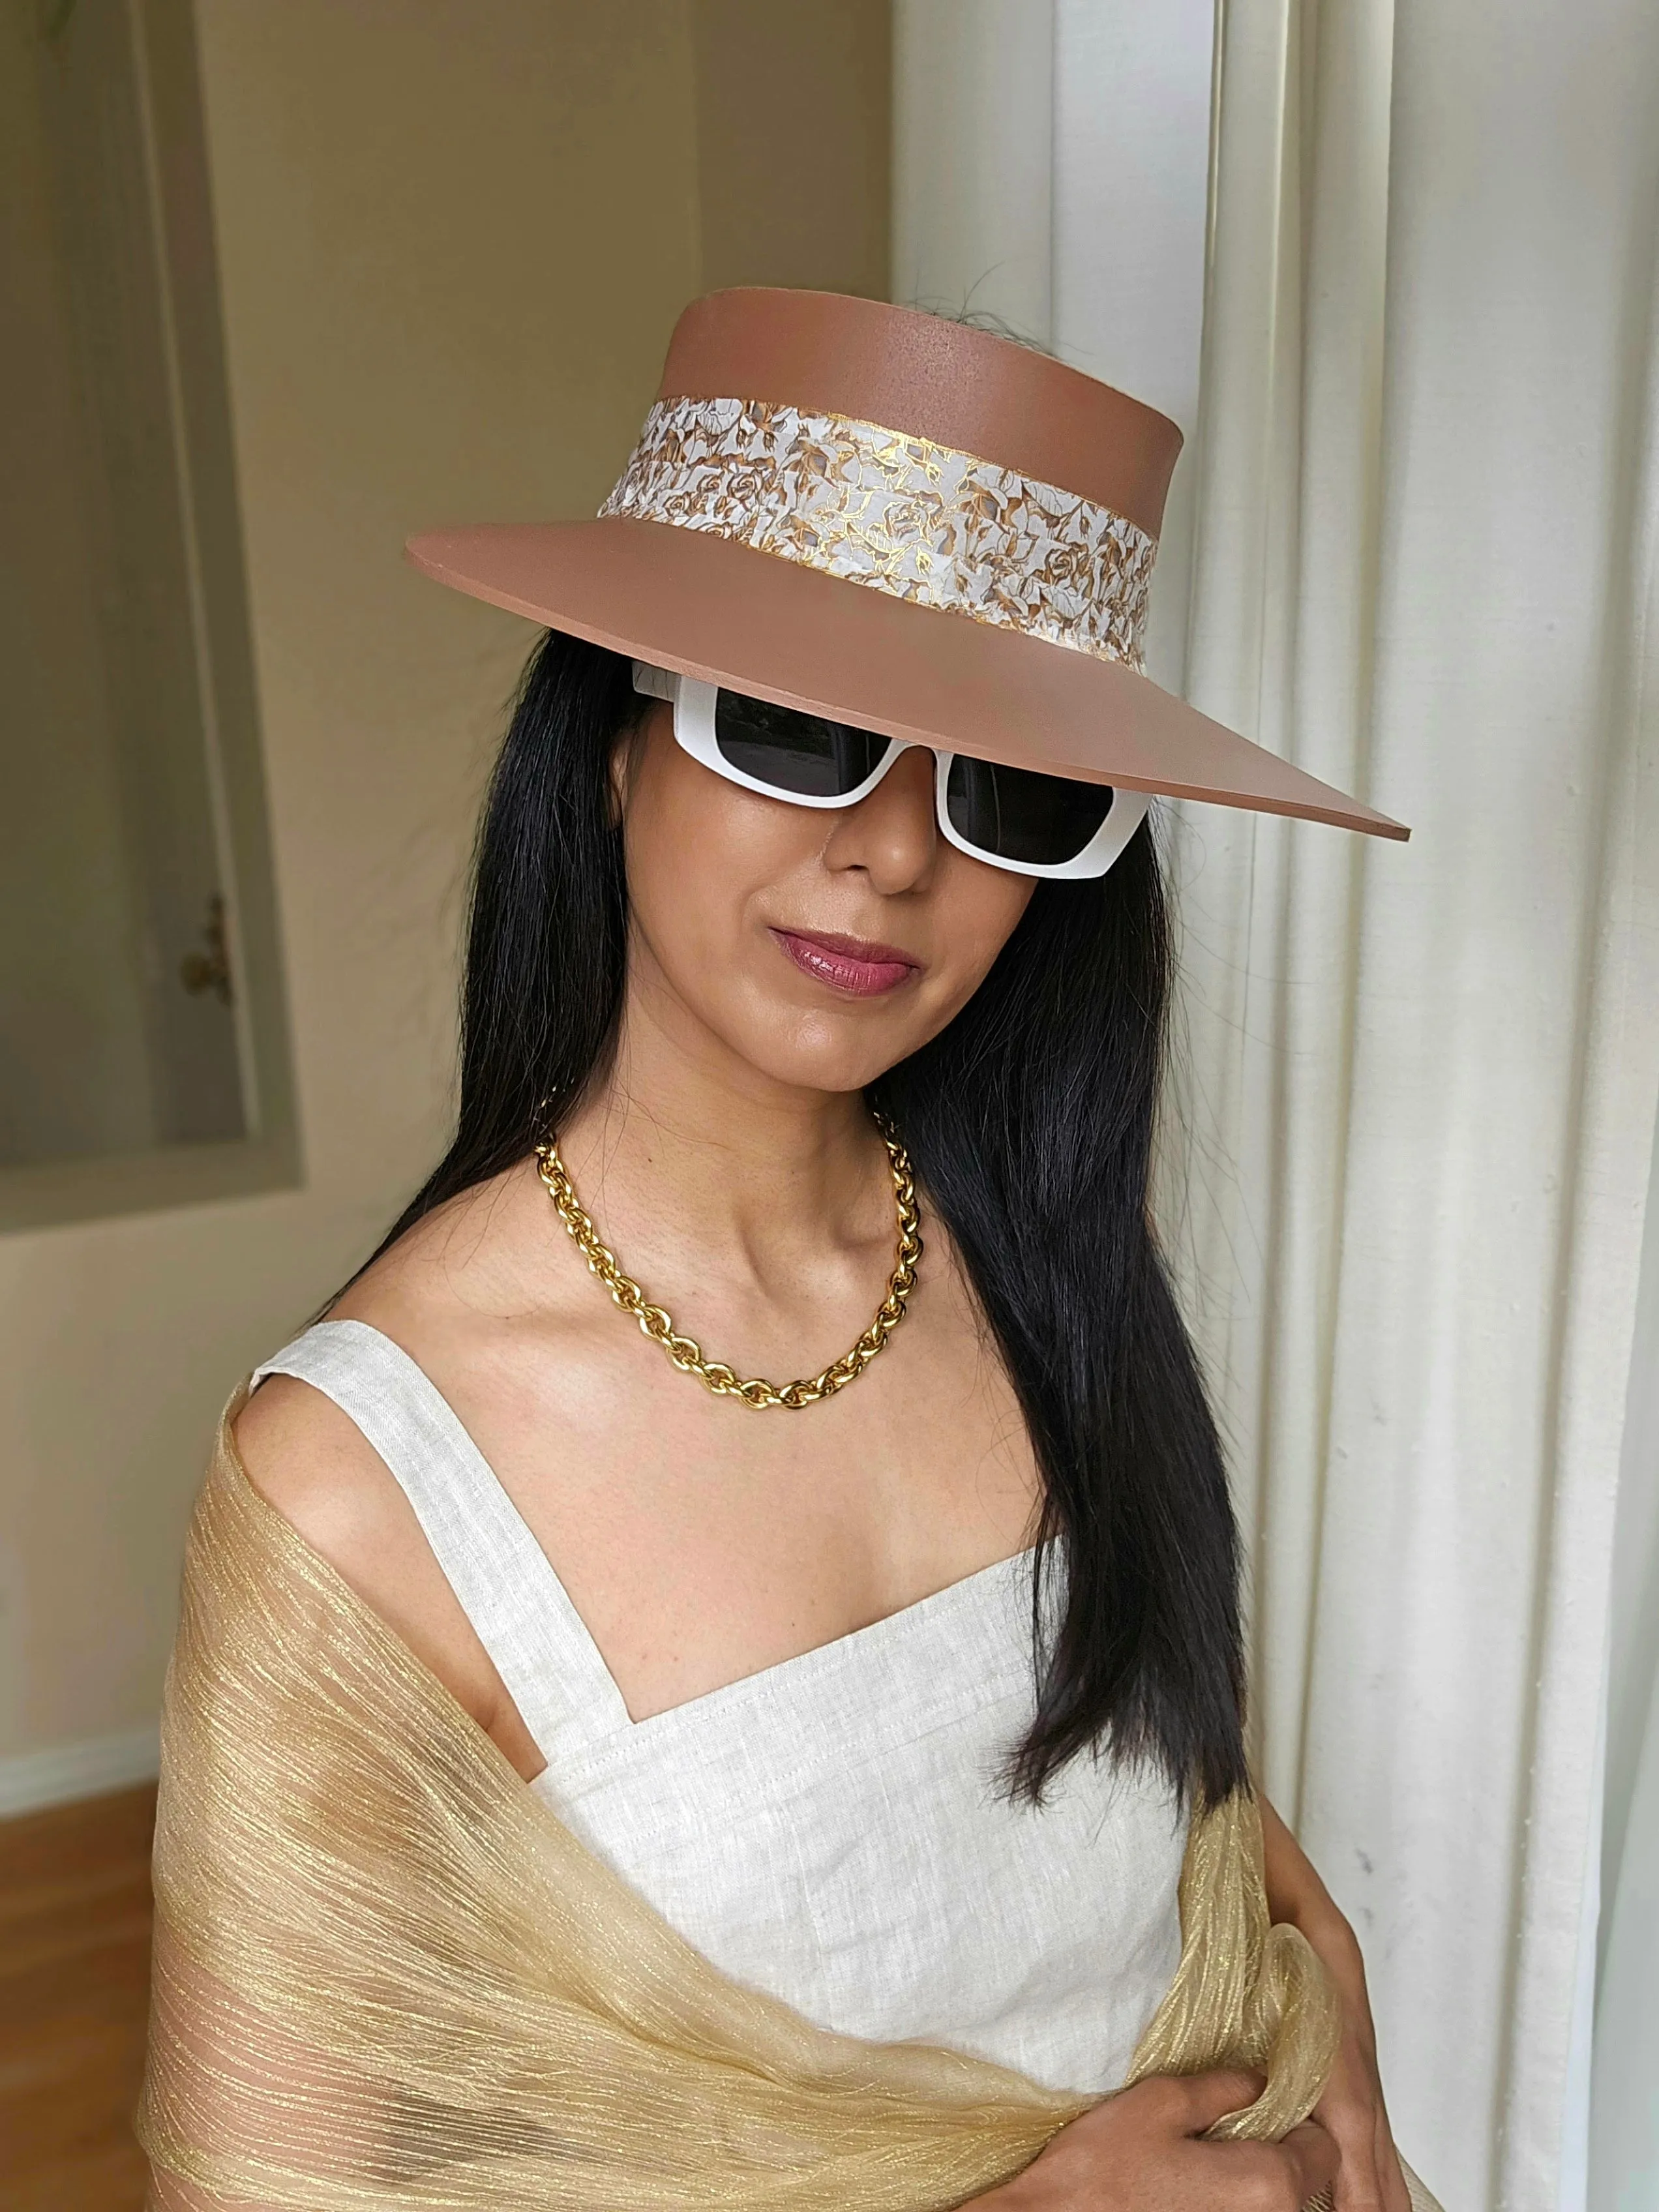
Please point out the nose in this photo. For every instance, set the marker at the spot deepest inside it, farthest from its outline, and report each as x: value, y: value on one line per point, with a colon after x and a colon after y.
x: 892, y: 835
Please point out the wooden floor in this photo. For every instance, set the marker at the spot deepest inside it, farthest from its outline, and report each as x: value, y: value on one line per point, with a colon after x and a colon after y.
x: 74, y: 1975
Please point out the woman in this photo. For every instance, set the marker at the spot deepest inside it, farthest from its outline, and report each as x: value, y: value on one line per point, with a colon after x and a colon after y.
x: 818, y: 970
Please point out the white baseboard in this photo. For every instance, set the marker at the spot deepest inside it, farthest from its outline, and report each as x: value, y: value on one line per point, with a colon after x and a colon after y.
x: 32, y: 1779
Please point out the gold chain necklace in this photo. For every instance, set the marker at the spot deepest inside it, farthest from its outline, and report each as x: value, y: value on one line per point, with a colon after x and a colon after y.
x: 685, y: 1352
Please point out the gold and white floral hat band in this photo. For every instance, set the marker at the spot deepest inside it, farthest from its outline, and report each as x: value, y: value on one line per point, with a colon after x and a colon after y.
x: 902, y: 523
x: 904, y: 514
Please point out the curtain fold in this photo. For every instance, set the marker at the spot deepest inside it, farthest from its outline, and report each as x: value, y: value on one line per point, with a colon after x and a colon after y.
x: 1416, y: 1088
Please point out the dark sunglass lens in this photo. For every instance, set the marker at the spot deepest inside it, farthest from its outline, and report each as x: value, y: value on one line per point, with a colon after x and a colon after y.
x: 799, y: 754
x: 1017, y: 815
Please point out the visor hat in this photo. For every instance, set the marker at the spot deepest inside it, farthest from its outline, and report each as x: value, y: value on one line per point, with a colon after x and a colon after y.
x: 900, y: 523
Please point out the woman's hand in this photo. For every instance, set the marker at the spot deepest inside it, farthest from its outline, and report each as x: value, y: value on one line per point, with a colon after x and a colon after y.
x: 1144, y: 2151
x: 1368, y: 2177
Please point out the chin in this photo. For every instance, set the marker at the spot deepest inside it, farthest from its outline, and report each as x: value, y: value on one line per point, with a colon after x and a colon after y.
x: 823, y: 1051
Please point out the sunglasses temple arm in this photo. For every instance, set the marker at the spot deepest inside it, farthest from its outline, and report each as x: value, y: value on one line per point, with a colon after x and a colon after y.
x: 655, y: 683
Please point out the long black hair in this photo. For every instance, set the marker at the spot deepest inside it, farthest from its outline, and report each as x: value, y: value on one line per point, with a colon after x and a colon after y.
x: 1030, y: 1122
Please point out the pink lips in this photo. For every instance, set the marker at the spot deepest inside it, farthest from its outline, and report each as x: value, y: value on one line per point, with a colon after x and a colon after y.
x: 848, y: 963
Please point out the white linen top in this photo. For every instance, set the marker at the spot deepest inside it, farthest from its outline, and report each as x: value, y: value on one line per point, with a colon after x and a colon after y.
x: 830, y: 1830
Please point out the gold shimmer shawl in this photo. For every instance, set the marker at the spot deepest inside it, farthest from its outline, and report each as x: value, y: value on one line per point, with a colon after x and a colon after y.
x: 387, y: 1977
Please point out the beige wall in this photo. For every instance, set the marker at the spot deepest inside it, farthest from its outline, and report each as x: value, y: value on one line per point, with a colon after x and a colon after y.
x: 793, y: 114
x: 454, y: 236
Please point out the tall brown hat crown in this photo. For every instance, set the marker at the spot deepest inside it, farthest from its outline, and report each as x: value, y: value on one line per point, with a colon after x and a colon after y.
x: 900, y: 522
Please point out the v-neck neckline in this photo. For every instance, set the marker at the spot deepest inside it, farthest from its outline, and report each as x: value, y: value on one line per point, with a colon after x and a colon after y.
x: 801, y: 1668
x: 508, y: 1585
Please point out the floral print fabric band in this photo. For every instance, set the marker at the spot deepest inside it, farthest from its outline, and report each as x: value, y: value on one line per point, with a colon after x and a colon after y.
x: 900, y: 514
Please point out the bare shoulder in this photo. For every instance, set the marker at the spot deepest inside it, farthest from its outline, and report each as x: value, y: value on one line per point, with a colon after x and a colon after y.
x: 312, y: 1461
x: 320, y: 1471
x: 317, y: 1468
x: 309, y: 1458
x: 324, y: 1476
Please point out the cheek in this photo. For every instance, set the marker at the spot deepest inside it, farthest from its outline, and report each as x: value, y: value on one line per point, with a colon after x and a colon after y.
x: 696, y: 849
x: 981, y: 905
x: 977, y: 909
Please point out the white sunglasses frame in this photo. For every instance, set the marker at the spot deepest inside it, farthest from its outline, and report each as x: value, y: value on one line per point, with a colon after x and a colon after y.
x: 693, y: 702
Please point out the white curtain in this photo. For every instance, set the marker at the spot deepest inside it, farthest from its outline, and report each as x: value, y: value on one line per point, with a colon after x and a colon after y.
x: 1417, y: 1086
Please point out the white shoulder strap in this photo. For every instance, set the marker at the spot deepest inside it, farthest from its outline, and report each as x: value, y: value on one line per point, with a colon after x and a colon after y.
x: 505, y: 1582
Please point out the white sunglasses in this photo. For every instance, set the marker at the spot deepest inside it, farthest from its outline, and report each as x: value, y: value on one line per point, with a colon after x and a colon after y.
x: 1032, y: 825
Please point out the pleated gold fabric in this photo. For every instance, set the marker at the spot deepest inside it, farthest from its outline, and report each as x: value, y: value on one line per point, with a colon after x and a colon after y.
x: 387, y: 1977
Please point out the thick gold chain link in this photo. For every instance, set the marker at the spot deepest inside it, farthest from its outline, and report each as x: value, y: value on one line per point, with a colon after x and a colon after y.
x: 685, y: 1352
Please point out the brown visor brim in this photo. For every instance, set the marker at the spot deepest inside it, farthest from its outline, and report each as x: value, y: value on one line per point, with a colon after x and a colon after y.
x: 710, y: 608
